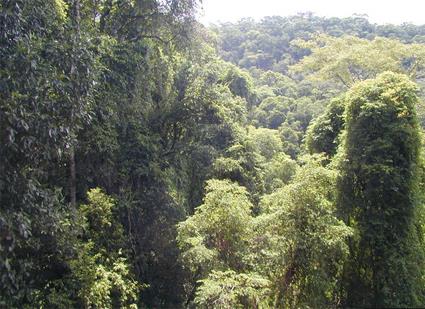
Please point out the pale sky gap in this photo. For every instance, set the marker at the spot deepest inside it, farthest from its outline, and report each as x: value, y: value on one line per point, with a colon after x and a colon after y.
x: 378, y: 11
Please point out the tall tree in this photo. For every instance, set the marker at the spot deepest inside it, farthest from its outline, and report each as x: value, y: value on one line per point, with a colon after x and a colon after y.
x: 378, y: 193
x: 34, y: 126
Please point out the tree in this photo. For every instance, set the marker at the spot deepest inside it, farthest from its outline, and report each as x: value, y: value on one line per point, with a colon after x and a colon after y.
x: 266, y: 141
x: 323, y: 134
x: 349, y: 59
x: 73, y: 75
x: 378, y: 193
x: 216, y: 236
x: 228, y: 289
x: 298, y: 243
x: 272, y: 111
x: 35, y: 127
x: 279, y: 171
x: 101, y: 272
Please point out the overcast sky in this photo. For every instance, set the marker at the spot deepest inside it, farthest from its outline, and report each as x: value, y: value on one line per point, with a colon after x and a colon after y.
x: 379, y: 11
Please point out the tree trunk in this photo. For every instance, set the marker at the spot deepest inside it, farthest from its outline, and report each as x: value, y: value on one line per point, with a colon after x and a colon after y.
x: 72, y: 165
x: 72, y: 178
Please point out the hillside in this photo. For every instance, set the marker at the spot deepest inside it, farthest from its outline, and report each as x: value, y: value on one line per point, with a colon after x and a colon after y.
x: 149, y: 161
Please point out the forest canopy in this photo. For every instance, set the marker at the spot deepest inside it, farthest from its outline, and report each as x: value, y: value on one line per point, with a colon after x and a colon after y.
x: 149, y: 161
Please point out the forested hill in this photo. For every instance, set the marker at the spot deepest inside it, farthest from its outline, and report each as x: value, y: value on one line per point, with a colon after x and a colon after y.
x: 148, y: 161
x: 267, y: 44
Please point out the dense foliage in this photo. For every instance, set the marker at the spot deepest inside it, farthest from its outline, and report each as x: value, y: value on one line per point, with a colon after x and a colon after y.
x: 150, y: 162
x: 378, y: 193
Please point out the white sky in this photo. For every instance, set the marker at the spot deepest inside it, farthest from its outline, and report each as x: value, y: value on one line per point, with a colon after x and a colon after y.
x: 379, y: 11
